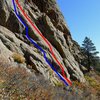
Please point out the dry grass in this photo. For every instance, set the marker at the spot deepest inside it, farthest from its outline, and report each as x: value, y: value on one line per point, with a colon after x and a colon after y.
x: 93, y: 83
x: 79, y: 85
x: 18, y: 84
x: 18, y: 58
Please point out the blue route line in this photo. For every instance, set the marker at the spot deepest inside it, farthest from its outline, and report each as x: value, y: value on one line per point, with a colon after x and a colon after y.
x: 36, y: 45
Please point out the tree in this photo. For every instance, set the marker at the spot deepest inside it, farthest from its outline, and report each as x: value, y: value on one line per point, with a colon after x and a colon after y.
x: 89, y: 50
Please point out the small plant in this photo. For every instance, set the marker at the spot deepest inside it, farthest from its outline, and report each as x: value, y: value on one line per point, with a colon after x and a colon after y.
x: 18, y: 58
x: 93, y: 83
x: 78, y: 84
x: 59, y: 84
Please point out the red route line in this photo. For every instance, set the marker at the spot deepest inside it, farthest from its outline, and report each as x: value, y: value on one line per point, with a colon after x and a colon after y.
x: 47, y: 42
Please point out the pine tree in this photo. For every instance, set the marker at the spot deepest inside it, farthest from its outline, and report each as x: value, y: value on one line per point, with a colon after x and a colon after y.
x: 89, y: 50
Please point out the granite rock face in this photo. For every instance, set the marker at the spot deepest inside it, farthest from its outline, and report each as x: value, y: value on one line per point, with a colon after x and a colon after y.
x: 47, y: 17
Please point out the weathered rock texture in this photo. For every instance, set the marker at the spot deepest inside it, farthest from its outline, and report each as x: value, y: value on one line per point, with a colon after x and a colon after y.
x: 46, y: 15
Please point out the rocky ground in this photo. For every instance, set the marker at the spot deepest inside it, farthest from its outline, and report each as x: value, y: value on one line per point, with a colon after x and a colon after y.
x: 22, y: 66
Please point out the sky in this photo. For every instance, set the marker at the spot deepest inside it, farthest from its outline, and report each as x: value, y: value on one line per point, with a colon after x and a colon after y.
x: 83, y: 19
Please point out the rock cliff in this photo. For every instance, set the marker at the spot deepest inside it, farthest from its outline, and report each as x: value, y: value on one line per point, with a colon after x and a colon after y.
x: 17, y: 50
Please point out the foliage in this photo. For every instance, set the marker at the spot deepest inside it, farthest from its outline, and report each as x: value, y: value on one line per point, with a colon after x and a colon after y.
x: 93, y: 82
x: 78, y: 84
x: 97, y: 67
x: 90, y: 53
x: 18, y: 58
x: 58, y: 83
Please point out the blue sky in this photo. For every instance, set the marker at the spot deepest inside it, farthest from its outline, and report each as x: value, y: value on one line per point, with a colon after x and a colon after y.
x: 83, y: 19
